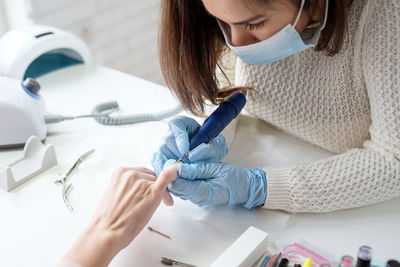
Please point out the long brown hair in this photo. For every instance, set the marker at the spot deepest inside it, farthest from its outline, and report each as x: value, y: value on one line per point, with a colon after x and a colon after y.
x: 191, y: 44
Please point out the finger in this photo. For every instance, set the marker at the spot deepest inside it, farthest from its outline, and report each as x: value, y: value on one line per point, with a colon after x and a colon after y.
x: 182, y: 187
x: 158, y: 161
x: 167, y: 199
x: 182, y: 127
x: 120, y: 170
x: 128, y: 171
x: 150, y: 176
x: 165, y: 178
x: 136, y: 174
x: 202, y: 153
x: 185, y: 123
x: 213, y: 151
x: 126, y: 181
x: 202, y: 170
x: 169, y: 163
x: 169, y: 147
x: 145, y: 170
x: 181, y: 138
x: 199, y: 192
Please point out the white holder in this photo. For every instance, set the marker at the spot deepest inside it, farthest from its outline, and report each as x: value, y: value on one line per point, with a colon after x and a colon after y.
x: 245, y: 251
x: 37, y: 159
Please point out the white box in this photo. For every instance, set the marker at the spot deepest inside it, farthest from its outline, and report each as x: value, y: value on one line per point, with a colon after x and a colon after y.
x: 245, y: 251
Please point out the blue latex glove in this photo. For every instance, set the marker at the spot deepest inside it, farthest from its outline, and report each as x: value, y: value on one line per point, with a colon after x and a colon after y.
x: 220, y: 183
x: 176, y: 143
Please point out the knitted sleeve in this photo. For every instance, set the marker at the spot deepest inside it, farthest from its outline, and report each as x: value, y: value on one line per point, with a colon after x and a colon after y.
x: 370, y: 174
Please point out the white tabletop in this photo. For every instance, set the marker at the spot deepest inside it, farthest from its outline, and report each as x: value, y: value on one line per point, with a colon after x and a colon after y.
x: 36, y: 228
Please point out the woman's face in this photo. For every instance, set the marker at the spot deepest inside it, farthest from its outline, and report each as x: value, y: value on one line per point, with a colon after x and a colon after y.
x: 253, y: 21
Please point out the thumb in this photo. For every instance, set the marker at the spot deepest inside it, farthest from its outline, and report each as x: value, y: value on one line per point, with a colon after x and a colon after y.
x: 166, y: 177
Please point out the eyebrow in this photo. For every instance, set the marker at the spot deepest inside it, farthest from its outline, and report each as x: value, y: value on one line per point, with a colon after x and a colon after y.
x: 247, y: 21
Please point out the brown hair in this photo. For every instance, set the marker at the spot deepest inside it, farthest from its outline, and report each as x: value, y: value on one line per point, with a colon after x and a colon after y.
x: 191, y: 44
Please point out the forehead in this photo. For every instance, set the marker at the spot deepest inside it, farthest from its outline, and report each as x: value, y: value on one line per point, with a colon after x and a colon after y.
x: 234, y: 10
x: 237, y: 10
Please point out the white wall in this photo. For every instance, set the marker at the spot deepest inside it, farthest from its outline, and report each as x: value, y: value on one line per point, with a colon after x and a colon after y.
x: 3, y: 24
x: 15, y: 13
x: 121, y: 34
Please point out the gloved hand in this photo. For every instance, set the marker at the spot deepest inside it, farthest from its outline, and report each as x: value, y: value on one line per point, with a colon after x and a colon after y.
x: 220, y: 183
x: 176, y: 143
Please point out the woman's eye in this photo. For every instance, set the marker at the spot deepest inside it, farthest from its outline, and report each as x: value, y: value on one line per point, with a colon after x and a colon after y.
x: 254, y: 26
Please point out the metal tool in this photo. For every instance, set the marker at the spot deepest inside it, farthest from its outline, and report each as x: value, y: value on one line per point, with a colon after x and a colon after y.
x: 167, y: 261
x: 217, y: 121
x: 158, y: 232
x: 64, y: 178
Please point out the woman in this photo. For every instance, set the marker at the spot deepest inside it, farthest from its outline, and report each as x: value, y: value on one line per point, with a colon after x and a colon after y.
x: 332, y: 79
x: 343, y: 95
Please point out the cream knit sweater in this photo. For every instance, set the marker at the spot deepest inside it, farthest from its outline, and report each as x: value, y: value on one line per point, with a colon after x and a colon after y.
x: 349, y: 104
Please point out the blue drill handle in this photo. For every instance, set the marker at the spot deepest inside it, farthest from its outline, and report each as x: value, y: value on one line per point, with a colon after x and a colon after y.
x: 219, y: 119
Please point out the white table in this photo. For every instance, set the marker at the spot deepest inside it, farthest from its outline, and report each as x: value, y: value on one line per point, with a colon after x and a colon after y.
x: 36, y: 228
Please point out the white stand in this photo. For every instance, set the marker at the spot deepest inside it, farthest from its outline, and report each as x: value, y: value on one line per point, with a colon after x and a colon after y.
x: 245, y: 251
x: 37, y: 159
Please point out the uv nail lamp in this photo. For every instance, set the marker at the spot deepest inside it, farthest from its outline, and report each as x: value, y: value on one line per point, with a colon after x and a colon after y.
x: 21, y: 112
x: 35, y: 50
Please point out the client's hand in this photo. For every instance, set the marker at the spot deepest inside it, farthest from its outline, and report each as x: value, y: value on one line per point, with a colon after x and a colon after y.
x: 129, y: 202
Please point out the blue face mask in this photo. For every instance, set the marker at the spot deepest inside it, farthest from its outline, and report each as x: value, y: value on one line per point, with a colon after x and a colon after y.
x: 284, y: 43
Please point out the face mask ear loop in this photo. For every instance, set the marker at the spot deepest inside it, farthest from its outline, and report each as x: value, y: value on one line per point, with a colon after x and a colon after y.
x: 224, y: 31
x: 326, y: 14
x: 298, y: 15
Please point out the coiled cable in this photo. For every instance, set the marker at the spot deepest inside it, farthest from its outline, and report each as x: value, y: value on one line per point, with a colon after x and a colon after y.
x: 99, y: 110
